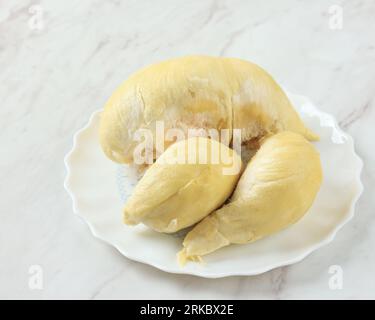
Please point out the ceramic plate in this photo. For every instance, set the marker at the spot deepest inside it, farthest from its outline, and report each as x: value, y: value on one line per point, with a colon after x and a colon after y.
x: 99, y: 188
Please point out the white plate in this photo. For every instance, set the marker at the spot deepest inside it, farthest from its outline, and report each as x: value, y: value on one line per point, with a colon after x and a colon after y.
x: 99, y: 187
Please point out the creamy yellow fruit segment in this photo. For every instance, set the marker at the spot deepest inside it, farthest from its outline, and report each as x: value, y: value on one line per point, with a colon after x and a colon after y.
x: 196, y: 92
x: 179, y: 190
x: 276, y: 189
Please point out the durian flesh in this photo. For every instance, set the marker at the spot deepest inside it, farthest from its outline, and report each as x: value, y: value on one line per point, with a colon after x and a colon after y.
x: 196, y: 92
x: 276, y: 189
x: 188, y: 181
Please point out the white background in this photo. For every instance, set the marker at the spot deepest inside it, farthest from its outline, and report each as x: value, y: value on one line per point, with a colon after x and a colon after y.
x: 55, y: 73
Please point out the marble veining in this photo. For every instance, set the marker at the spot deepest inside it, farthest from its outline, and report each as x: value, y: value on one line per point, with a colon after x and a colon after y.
x: 60, y: 61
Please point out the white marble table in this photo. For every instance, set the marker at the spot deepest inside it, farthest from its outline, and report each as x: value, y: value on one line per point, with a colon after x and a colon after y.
x: 60, y: 61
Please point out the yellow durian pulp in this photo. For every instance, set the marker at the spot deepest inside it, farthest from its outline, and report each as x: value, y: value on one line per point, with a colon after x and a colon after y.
x: 173, y: 195
x: 276, y: 189
x: 196, y: 92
